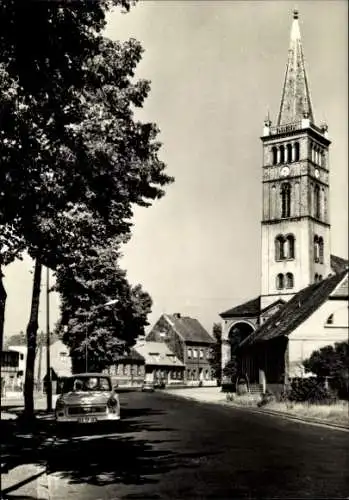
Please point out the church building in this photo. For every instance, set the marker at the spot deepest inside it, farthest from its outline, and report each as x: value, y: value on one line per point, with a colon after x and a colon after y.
x: 303, y: 304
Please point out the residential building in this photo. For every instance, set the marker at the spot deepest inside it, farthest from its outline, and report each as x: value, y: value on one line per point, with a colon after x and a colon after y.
x: 129, y: 370
x: 300, y: 278
x: 9, y: 371
x: 161, y: 365
x: 190, y: 342
x: 60, y: 362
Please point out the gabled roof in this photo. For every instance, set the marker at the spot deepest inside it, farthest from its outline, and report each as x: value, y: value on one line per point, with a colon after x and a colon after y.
x: 250, y: 309
x: 295, y: 101
x: 338, y: 264
x: 131, y: 356
x: 297, y: 310
x: 157, y: 353
x: 189, y: 329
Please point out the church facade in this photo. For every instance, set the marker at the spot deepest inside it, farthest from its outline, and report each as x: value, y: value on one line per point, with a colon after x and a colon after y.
x: 299, y: 275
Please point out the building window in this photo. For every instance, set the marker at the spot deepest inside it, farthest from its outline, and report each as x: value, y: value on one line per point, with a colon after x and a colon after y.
x: 62, y: 355
x: 289, y: 280
x: 189, y: 353
x: 321, y: 250
x: 195, y: 353
x: 317, y: 207
x: 282, y: 154
x: 285, y: 200
x: 290, y: 246
x: 21, y: 357
x: 316, y: 249
x: 280, y: 281
x: 296, y: 151
x: 274, y: 152
x: 330, y: 320
x: 279, y: 247
x: 289, y: 152
x: 201, y: 354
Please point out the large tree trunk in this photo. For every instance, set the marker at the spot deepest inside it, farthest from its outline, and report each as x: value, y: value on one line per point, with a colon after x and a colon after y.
x: 31, y: 343
x: 3, y: 297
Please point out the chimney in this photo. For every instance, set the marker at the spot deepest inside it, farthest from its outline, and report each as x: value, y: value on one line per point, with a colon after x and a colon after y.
x: 177, y: 315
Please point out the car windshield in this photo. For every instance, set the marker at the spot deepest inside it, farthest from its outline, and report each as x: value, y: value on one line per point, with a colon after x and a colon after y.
x: 77, y: 384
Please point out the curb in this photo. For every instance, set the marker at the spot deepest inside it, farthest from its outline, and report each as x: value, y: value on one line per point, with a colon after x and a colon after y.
x: 273, y: 413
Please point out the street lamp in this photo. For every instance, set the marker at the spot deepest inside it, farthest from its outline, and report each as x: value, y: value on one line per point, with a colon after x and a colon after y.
x: 107, y: 304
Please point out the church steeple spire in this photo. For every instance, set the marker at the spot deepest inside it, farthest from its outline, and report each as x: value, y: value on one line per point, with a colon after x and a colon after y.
x: 295, y: 101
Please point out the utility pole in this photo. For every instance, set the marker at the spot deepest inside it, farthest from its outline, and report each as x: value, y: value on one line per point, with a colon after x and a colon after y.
x: 48, y: 361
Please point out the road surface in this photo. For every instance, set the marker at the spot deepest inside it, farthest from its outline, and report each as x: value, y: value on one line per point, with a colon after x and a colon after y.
x: 171, y: 448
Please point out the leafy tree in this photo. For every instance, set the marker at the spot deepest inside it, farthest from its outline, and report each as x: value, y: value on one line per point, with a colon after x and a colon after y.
x: 216, y: 353
x: 88, y: 326
x: 331, y: 361
x: 68, y: 135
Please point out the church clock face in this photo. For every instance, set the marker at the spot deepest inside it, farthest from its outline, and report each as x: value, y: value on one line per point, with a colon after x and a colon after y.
x: 285, y: 171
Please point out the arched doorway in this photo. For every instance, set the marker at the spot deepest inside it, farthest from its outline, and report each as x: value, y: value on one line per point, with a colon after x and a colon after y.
x: 237, y: 333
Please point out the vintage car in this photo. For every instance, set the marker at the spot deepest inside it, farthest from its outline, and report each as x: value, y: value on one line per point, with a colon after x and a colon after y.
x: 87, y: 398
x: 148, y: 386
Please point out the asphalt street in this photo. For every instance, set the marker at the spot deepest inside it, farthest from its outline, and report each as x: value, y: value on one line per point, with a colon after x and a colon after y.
x: 166, y: 447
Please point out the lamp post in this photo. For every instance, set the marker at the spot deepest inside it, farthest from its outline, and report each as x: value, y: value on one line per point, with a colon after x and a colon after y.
x: 109, y: 303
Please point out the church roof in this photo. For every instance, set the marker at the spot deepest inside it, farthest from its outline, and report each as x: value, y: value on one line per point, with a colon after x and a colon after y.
x: 338, y: 264
x: 295, y: 101
x: 250, y: 308
x: 297, y: 310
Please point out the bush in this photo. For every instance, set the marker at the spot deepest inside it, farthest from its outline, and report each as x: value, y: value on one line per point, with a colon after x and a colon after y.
x: 308, y: 390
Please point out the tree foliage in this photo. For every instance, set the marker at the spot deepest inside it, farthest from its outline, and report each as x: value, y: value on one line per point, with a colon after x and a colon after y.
x: 329, y: 361
x: 216, y: 353
x: 69, y: 140
x: 333, y: 362
x: 85, y: 286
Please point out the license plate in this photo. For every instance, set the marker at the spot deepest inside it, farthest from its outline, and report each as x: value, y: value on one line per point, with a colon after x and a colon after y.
x: 87, y: 420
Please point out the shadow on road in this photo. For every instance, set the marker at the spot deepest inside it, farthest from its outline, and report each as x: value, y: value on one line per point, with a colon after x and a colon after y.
x: 82, y: 455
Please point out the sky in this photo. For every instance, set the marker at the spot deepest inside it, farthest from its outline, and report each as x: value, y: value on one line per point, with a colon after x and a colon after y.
x: 216, y: 69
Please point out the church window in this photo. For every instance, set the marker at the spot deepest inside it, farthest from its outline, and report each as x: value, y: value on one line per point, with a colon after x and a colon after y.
x: 330, y: 320
x: 290, y: 246
x: 320, y: 277
x: 316, y: 278
x: 296, y: 151
x: 280, y: 281
x: 282, y: 154
x: 289, y: 152
x: 289, y: 280
x: 317, y: 201
x: 321, y: 250
x: 285, y: 200
x: 316, y: 249
x: 279, y: 248
x: 275, y: 155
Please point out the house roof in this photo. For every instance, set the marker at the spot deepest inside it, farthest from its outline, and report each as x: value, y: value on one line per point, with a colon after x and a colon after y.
x: 250, y: 308
x: 189, y: 329
x: 157, y: 353
x: 133, y: 355
x: 338, y: 264
x: 297, y: 310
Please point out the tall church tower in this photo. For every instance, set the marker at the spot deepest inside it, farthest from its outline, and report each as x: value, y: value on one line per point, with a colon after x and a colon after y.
x: 295, y: 219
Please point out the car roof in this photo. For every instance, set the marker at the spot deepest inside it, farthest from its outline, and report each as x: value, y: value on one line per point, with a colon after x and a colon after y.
x: 88, y: 374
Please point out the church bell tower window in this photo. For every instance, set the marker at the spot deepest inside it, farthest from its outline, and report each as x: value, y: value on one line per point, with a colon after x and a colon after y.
x: 285, y: 200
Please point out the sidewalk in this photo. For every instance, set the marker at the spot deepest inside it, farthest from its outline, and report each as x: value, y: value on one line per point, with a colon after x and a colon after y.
x: 23, y: 451
x: 214, y: 395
